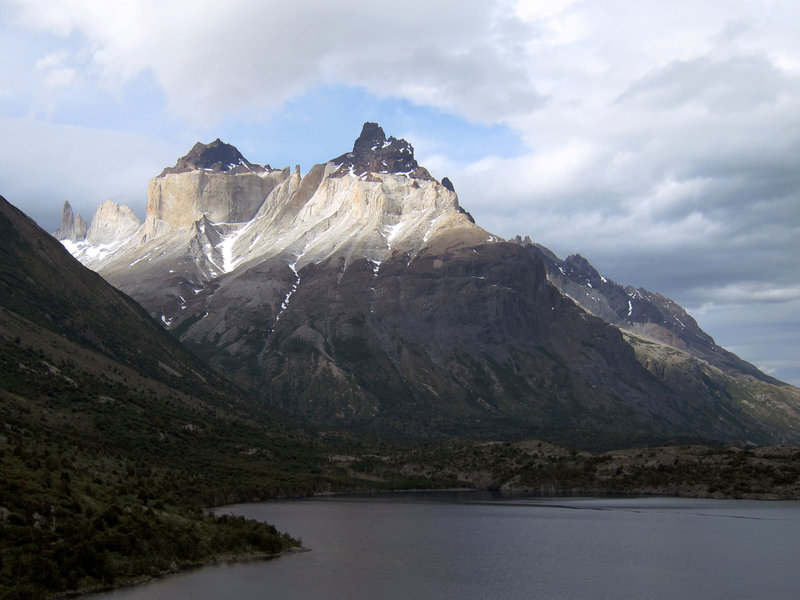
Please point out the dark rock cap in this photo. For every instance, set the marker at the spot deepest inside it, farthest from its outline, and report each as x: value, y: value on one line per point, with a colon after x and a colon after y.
x: 218, y: 157
x: 373, y: 152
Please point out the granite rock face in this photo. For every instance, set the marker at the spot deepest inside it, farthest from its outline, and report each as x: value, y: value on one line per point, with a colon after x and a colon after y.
x: 111, y: 223
x: 214, y: 180
x: 176, y: 200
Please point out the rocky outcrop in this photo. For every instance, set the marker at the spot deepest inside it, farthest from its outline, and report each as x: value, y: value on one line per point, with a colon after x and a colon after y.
x: 374, y: 153
x: 111, y: 223
x: 73, y: 227
x: 218, y: 157
x: 178, y: 199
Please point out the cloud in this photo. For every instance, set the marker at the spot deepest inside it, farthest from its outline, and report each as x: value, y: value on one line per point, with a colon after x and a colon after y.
x: 211, y: 57
x: 733, y: 84
x: 57, y: 74
x: 671, y: 158
x: 49, y: 164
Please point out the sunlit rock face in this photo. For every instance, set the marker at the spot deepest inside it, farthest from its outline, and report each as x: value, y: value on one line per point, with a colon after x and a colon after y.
x: 112, y: 222
x: 361, y: 294
x: 213, y: 180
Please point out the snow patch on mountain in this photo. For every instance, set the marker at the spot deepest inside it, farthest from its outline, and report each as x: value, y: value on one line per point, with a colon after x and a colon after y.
x: 229, y: 259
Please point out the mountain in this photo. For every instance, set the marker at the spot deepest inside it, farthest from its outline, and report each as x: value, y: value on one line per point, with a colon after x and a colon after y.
x: 637, y: 311
x: 363, y: 295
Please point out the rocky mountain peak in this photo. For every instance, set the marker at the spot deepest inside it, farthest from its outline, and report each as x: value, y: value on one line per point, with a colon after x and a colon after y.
x: 580, y: 266
x: 216, y: 156
x: 372, y: 136
x: 112, y: 222
x: 520, y: 241
x: 73, y: 226
x: 373, y: 152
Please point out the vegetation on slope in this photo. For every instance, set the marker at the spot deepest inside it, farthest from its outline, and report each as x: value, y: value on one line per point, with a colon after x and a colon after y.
x: 104, y: 473
x: 113, y: 436
x: 539, y: 467
x: 102, y: 481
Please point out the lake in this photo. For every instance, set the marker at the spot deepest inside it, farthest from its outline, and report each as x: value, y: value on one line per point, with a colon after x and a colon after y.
x: 479, y: 545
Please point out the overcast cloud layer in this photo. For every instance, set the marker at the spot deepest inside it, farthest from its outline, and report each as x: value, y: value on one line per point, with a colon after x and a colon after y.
x: 661, y: 140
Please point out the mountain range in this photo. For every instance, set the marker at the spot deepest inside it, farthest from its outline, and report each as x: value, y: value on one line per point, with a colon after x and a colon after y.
x: 362, y: 295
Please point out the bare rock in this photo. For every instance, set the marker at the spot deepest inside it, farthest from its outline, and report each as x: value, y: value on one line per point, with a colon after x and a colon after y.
x: 73, y: 227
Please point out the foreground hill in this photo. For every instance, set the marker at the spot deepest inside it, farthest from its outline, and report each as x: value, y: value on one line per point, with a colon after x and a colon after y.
x: 113, y: 436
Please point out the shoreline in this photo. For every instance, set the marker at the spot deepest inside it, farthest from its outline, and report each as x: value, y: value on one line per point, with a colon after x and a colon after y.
x: 177, y: 570
x: 263, y: 556
x: 684, y: 492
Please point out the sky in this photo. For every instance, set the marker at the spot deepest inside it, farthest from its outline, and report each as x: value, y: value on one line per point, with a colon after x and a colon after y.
x: 660, y: 140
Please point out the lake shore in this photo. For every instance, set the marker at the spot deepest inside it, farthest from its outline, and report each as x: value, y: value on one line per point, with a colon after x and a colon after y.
x: 540, y: 469
x: 414, y: 545
x: 177, y: 570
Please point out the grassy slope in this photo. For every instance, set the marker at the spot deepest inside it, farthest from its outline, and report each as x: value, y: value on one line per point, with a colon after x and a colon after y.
x: 771, y: 406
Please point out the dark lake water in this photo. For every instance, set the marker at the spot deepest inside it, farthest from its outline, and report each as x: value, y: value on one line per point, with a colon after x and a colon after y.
x: 470, y: 546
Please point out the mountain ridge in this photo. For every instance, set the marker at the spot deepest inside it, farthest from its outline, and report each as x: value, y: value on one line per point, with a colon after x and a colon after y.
x: 640, y: 311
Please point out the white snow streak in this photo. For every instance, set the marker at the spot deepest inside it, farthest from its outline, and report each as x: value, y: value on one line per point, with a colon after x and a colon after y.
x: 139, y: 259
x: 376, y: 267
x: 285, y: 303
x: 391, y: 232
x: 427, y: 235
x: 229, y: 262
x: 86, y: 253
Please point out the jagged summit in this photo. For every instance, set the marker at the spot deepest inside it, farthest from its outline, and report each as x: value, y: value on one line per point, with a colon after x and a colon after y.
x: 224, y: 217
x: 218, y: 157
x: 374, y: 153
x: 73, y: 226
x: 112, y: 223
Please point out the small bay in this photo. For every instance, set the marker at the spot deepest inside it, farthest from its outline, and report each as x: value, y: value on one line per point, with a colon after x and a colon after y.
x: 479, y: 545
